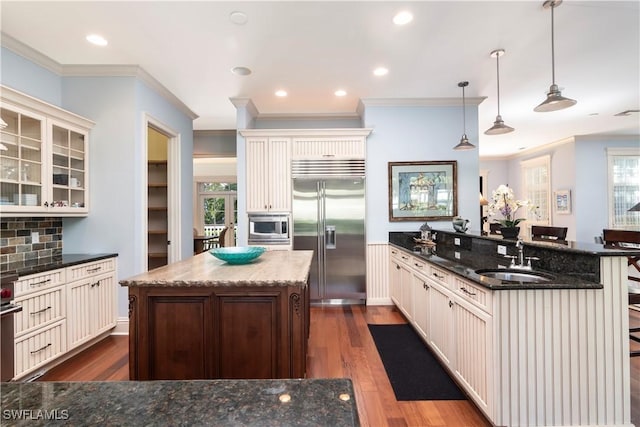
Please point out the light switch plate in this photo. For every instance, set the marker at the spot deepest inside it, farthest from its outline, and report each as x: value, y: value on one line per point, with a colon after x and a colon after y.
x: 35, y: 237
x: 502, y: 250
x: 457, y: 254
x: 456, y: 241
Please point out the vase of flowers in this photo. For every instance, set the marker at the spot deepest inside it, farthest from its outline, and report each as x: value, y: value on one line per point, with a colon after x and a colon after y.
x: 504, y: 203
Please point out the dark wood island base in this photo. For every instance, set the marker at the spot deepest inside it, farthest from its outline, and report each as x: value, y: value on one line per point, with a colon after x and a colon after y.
x: 204, y: 319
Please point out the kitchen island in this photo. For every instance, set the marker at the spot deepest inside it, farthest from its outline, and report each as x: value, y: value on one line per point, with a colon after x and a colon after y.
x: 548, y: 352
x: 320, y: 402
x: 202, y: 318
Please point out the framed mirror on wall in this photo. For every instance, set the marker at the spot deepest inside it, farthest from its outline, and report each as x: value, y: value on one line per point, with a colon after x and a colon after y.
x: 420, y: 191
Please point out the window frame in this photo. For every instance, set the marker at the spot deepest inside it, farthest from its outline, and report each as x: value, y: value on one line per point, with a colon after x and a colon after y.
x: 541, y: 161
x: 611, y: 154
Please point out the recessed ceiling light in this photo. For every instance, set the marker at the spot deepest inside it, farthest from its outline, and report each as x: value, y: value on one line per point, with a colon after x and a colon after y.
x: 97, y: 39
x: 241, y: 71
x: 238, y: 18
x: 281, y: 93
x: 340, y: 92
x: 403, y: 18
x: 380, y: 71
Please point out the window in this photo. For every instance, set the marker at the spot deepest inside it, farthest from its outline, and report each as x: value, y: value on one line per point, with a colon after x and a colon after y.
x: 217, y: 207
x: 536, y: 185
x: 624, y: 187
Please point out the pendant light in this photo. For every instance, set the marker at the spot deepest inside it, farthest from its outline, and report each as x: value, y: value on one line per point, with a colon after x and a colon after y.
x: 498, y: 127
x: 464, y: 143
x: 555, y: 101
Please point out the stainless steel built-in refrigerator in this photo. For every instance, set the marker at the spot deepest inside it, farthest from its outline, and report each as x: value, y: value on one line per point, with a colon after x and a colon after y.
x: 329, y: 218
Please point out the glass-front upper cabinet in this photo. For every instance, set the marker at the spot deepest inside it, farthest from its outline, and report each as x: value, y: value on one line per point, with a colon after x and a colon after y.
x: 68, y: 168
x: 22, y: 158
x: 43, y: 158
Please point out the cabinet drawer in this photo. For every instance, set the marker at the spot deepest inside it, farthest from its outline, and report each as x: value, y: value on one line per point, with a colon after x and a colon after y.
x: 477, y: 295
x: 40, y: 281
x: 81, y: 271
x: 439, y: 275
x: 419, y: 265
x: 39, y: 309
x: 37, y: 349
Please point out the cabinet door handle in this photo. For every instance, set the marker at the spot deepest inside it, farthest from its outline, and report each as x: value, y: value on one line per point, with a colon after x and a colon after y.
x: 425, y: 286
x: 33, y: 313
x: 95, y: 284
x: 397, y: 267
x: 40, y: 282
x: 40, y: 349
x: 418, y: 265
x: 404, y: 258
x: 438, y: 276
x: 468, y: 292
x: 93, y: 270
x: 450, y: 303
x: 394, y: 252
x: 46, y: 204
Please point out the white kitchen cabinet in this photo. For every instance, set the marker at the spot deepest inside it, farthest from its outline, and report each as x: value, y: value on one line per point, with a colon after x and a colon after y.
x: 268, y: 174
x: 324, y: 146
x: 91, y: 301
x: 62, y: 309
x: 394, y: 276
x: 473, y: 344
x: 441, y: 330
x: 44, y: 170
x: 421, y: 298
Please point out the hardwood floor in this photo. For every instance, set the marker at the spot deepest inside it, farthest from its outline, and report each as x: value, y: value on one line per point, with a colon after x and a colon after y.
x: 339, y: 346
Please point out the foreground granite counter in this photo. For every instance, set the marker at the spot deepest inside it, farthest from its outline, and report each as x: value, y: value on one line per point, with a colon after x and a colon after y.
x: 202, y: 318
x: 317, y: 402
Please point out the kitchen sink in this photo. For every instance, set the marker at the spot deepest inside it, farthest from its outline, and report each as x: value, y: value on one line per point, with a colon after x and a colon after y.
x: 512, y: 275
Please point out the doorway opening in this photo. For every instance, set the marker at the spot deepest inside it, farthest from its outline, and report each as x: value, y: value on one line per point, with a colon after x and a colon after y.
x: 217, y: 209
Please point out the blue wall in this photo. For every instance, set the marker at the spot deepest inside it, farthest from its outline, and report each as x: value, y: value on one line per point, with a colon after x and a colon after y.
x: 116, y: 159
x: 418, y: 134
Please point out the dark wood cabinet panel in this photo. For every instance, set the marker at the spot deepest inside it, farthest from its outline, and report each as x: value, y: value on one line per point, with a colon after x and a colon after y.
x: 178, y: 344
x: 218, y: 332
x: 248, y: 329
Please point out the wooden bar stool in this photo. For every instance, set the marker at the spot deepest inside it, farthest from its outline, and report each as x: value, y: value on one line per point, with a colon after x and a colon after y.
x: 621, y: 239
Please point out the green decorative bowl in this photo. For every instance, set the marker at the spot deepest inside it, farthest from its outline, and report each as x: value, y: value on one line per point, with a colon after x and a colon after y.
x: 238, y: 254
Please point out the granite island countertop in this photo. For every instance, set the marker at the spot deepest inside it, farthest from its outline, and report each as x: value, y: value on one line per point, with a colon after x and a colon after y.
x: 273, y: 268
x: 313, y: 402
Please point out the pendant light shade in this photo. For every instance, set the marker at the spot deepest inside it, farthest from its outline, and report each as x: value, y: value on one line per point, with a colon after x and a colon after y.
x: 555, y: 101
x: 498, y: 127
x: 464, y: 143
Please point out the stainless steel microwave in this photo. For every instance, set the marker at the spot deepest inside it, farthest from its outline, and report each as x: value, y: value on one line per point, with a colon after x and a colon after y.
x: 272, y: 229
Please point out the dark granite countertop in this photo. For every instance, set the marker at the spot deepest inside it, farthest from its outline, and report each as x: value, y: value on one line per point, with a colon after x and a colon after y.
x: 444, y: 256
x: 53, y: 263
x: 313, y: 402
x: 558, y: 245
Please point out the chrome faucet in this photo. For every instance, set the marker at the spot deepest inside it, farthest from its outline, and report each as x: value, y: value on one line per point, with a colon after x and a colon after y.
x: 521, y: 265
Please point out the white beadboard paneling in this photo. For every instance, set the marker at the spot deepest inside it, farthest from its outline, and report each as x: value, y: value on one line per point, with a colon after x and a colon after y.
x: 378, y: 274
x: 562, y: 355
x: 35, y: 350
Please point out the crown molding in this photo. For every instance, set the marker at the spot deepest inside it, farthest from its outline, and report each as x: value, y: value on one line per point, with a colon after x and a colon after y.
x: 80, y: 70
x: 420, y: 102
x: 30, y: 53
x: 308, y: 116
x: 306, y: 132
x: 245, y: 103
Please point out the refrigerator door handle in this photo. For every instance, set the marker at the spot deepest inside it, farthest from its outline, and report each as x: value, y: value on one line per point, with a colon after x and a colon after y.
x: 330, y: 236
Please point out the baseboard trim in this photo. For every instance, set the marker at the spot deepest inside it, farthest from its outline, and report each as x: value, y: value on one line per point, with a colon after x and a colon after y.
x: 379, y: 301
x: 122, y: 326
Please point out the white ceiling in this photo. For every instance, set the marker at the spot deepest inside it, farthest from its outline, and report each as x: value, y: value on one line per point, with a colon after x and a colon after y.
x: 311, y: 49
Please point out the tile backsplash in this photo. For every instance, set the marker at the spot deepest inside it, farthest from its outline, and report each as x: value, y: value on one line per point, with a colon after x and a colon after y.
x: 17, y: 247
